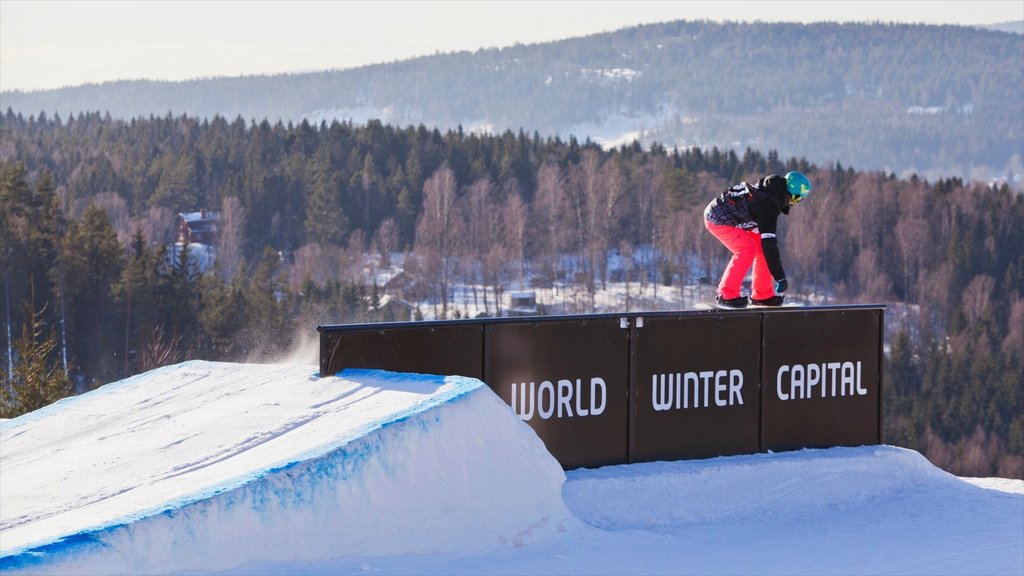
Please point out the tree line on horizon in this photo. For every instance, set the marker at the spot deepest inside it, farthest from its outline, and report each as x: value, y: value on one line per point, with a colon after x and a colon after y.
x: 901, y: 97
x: 95, y: 290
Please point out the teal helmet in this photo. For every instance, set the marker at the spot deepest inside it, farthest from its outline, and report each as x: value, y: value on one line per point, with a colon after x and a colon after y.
x: 798, y: 185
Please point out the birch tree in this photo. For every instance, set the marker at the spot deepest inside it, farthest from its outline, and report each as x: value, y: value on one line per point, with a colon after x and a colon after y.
x: 516, y: 225
x: 649, y: 199
x: 434, y: 238
x: 605, y: 196
x: 475, y: 209
x: 549, y: 211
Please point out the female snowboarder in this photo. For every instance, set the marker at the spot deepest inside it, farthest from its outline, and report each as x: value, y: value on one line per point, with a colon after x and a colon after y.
x: 744, y: 218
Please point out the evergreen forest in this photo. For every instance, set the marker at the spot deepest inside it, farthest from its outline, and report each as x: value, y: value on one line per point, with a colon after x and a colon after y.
x: 95, y: 290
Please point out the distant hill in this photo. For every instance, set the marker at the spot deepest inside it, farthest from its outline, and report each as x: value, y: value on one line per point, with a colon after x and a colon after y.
x: 934, y: 100
x: 1016, y: 27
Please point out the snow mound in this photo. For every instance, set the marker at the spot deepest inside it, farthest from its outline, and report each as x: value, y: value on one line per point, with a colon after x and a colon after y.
x: 794, y: 484
x: 204, y: 466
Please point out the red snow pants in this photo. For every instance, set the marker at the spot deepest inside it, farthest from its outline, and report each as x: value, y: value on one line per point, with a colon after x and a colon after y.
x: 745, y: 246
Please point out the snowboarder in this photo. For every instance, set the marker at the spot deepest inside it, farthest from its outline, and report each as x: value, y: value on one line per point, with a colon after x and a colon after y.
x: 744, y: 218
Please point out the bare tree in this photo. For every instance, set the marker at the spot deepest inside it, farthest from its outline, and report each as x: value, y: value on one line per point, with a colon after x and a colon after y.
x: 1013, y: 343
x: 475, y: 209
x: 869, y: 214
x: 591, y: 190
x: 576, y: 219
x: 231, y: 236
x: 353, y: 256
x: 157, y: 225
x: 316, y: 261
x: 695, y: 253
x: 673, y: 242
x: 607, y: 193
x: 501, y: 254
x: 872, y: 281
x: 976, y: 301
x: 162, y: 350
x: 386, y: 241
x: 516, y: 222
x: 913, y: 236
x: 807, y: 238
x: 434, y: 238
x: 117, y: 214
x: 549, y: 211
x: 650, y: 200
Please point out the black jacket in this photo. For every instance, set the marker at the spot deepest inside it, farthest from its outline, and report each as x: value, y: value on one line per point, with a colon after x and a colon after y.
x: 755, y: 207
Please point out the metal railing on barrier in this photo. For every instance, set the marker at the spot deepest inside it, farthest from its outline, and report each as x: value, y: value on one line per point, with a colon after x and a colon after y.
x: 620, y: 388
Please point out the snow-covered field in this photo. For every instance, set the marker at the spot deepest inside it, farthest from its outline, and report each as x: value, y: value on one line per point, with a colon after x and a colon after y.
x: 271, y: 469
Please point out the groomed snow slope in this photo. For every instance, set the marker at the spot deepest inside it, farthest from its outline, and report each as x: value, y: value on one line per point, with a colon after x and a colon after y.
x: 204, y: 466
x: 251, y: 469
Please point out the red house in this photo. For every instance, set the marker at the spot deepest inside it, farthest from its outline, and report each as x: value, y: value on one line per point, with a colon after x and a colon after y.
x: 198, y: 227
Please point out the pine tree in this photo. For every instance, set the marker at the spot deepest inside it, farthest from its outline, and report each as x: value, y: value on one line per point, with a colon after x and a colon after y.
x: 180, y: 301
x: 326, y: 222
x: 29, y: 228
x: 91, y: 262
x: 136, y: 292
x: 220, y: 317
x: 37, y: 379
x: 264, y: 330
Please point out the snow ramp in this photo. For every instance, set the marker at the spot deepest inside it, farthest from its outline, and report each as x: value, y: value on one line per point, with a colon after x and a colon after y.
x: 204, y: 466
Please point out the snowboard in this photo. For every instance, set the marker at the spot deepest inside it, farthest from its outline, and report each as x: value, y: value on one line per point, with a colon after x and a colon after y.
x: 714, y: 306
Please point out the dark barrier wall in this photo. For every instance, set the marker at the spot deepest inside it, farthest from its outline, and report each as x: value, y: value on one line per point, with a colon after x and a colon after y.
x: 569, y: 381
x: 612, y: 389
x: 821, y: 379
x: 422, y: 348
x: 696, y: 390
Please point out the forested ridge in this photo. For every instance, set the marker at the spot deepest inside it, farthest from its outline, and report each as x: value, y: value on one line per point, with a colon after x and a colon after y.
x: 88, y: 206
x: 934, y: 100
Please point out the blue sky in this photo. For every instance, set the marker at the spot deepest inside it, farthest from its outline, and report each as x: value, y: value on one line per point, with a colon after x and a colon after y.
x: 49, y: 43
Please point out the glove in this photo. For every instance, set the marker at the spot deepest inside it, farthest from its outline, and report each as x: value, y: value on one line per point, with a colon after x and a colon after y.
x: 781, y: 285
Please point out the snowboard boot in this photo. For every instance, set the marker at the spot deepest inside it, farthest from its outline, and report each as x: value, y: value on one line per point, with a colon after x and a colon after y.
x: 732, y: 303
x: 773, y: 301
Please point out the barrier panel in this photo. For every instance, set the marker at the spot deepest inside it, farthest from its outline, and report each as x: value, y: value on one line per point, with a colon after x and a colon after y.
x: 422, y: 348
x: 568, y: 379
x: 822, y: 379
x: 613, y: 389
x: 696, y: 392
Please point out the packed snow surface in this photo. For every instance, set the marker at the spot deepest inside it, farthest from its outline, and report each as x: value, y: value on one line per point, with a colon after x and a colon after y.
x: 204, y: 466
x: 267, y: 469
